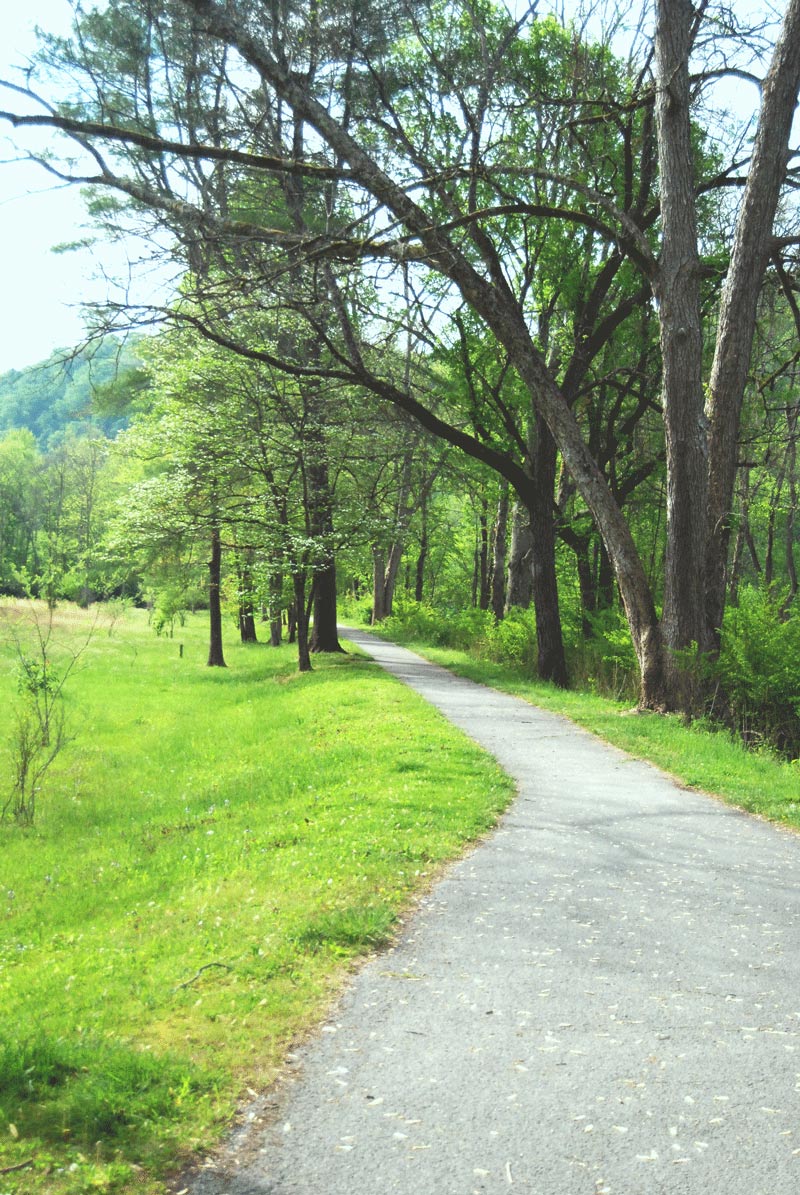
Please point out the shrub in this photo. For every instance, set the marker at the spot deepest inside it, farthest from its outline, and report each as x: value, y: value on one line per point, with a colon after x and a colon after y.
x: 758, y: 670
x: 513, y: 639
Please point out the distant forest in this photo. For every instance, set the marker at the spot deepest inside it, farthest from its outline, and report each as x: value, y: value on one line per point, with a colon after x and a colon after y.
x: 72, y: 387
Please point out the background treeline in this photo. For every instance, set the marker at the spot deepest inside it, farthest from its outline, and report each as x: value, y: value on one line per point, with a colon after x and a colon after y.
x: 497, y: 314
x: 207, y: 484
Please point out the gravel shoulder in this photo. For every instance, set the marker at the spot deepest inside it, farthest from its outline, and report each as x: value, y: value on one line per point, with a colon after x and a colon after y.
x: 603, y: 998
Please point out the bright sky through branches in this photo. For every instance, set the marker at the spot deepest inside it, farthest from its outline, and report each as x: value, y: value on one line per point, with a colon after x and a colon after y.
x: 42, y: 291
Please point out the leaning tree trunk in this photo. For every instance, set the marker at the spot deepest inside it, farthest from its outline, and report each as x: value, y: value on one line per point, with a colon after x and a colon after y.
x: 215, y: 656
x: 737, y: 317
x: 504, y: 317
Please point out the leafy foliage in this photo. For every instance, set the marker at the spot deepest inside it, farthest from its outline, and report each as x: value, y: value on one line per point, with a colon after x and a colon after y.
x: 757, y: 670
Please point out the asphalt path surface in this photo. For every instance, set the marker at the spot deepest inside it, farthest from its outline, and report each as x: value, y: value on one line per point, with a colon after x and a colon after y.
x: 603, y: 998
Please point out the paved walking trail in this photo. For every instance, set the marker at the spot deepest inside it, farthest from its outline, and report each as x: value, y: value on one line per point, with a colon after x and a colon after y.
x: 602, y: 999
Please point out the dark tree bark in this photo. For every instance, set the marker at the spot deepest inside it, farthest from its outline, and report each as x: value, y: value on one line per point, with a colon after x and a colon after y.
x: 301, y: 621
x: 484, y: 591
x: 422, y: 557
x: 325, y: 634
x: 247, y: 622
x: 499, y: 547
x: 737, y: 317
x: 215, y: 657
x: 519, y: 591
x: 247, y: 616
x: 378, y: 591
x: 551, y: 662
x: 677, y: 289
x: 791, y: 567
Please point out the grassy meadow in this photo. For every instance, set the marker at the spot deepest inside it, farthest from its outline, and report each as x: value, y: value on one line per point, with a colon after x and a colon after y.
x: 211, y: 851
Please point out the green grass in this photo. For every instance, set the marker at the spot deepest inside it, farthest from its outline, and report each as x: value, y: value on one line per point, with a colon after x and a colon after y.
x: 698, y: 756
x: 210, y: 854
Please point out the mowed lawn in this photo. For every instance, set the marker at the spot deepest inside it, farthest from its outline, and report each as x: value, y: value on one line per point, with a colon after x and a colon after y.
x: 211, y: 851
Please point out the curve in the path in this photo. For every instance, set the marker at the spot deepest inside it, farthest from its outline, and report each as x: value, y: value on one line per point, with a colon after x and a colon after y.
x: 602, y: 999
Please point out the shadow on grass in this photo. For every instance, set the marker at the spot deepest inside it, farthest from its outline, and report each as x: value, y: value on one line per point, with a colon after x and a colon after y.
x: 59, y: 1092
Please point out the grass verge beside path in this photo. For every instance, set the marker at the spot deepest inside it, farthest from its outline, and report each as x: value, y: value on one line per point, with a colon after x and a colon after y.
x: 210, y: 854
x: 698, y: 757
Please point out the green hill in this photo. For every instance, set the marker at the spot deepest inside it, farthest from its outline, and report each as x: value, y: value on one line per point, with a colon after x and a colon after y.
x: 70, y: 387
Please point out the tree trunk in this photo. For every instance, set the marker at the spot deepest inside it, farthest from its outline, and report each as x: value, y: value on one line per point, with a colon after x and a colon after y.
x: 738, y: 309
x: 390, y: 576
x: 247, y: 616
x: 499, y: 545
x: 551, y: 663
x: 484, y: 592
x: 519, y: 590
x: 678, y: 294
x: 419, y: 586
x: 247, y: 622
x: 791, y: 568
x: 378, y: 576
x: 325, y: 635
x: 606, y: 594
x: 301, y: 622
x: 215, y: 656
x: 275, y: 610
x: 587, y: 583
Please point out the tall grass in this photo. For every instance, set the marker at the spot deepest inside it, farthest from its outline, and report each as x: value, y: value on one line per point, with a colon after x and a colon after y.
x: 210, y: 854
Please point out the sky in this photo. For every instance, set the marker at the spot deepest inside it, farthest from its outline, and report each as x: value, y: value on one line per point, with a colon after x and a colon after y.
x: 41, y: 291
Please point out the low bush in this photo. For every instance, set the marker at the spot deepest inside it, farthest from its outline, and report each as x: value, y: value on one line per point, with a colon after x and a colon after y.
x: 756, y: 679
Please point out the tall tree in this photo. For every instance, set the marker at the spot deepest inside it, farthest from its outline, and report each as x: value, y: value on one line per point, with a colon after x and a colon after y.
x: 430, y: 153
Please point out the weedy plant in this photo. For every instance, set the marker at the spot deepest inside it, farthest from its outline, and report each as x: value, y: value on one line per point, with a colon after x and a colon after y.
x: 39, y: 716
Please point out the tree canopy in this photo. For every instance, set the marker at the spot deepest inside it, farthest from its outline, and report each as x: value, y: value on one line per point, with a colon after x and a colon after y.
x: 553, y: 216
